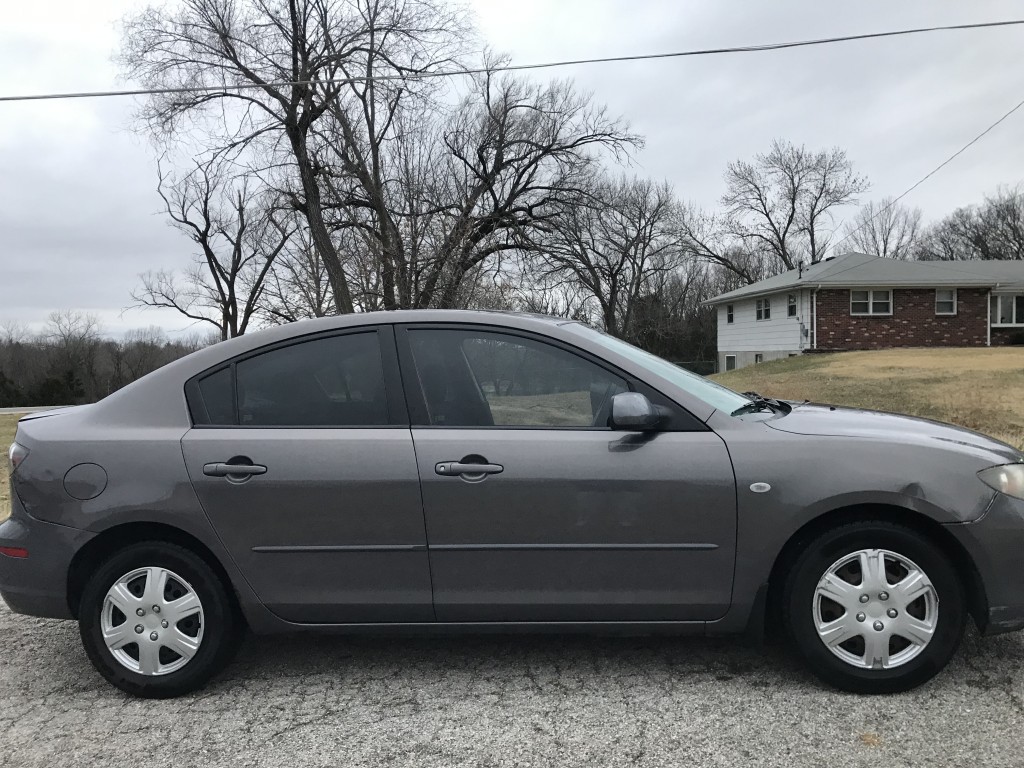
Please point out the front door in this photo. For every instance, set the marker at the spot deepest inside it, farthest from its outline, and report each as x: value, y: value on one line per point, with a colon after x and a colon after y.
x: 303, y: 460
x: 537, y: 511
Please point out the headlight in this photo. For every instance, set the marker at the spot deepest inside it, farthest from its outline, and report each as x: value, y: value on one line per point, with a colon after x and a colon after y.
x: 1008, y: 479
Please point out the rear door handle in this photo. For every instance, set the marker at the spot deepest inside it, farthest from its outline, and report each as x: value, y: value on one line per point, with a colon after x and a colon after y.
x: 456, y: 468
x: 221, y: 469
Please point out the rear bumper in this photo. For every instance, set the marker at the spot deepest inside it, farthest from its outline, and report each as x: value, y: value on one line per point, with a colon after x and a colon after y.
x: 37, y: 585
x: 995, y: 543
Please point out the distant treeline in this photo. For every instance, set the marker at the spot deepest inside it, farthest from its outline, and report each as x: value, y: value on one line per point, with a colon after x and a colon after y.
x: 70, y: 363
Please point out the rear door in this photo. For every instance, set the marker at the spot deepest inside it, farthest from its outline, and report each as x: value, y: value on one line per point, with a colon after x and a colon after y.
x: 303, y: 459
x: 537, y: 511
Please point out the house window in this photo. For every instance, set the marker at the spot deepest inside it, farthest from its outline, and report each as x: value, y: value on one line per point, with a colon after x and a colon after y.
x: 791, y: 306
x: 945, y: 301
x: 764, y: 309
x: 870, y: 302
x: 758, y: 358
x: 728, y: 313
x: 1008, y: 309
x: 730, y: 362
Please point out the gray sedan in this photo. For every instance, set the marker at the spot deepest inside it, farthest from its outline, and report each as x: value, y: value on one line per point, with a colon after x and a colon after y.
x: 443, y: 471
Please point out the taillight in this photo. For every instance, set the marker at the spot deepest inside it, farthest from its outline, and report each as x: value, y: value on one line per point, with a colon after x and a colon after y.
x: 17, y: 454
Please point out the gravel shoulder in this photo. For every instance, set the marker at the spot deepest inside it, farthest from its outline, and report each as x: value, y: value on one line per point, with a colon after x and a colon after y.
x: 495, y: 701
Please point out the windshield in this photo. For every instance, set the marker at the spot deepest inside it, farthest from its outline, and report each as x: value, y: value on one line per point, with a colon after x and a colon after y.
x: 722, y: 398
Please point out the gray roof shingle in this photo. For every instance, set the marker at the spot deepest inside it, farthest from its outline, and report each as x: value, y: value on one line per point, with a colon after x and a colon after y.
x: 852, y: 270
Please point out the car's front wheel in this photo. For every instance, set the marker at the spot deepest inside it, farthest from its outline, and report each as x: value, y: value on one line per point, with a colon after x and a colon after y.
x: 874, y: 607
x: 156, y: 620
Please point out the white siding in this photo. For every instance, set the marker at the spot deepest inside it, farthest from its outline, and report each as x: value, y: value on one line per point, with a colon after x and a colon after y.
x: 780, y: 334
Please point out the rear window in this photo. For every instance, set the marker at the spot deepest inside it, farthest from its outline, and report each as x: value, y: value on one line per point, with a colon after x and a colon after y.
x: 218, y: 397
x: 337, y: 381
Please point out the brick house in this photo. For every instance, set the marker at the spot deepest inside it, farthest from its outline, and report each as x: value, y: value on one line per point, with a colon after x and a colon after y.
x: 858, y: 301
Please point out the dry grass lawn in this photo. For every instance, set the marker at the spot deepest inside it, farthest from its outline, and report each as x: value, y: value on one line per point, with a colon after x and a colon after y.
x: 982, y: 389
x: 7, y: 425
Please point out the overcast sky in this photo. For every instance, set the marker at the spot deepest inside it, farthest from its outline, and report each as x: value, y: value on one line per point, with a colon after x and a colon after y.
x: 79, y: 213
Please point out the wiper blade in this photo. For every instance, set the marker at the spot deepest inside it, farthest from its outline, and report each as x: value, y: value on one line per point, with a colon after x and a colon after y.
x: 759, y: 403
x: 760, y: 398
x: 753, y: 407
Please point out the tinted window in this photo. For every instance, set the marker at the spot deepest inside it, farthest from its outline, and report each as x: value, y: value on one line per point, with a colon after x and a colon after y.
x: 712, y: 393
x: 485, y: 379
x: 218, y: 397
x: 332, y: 382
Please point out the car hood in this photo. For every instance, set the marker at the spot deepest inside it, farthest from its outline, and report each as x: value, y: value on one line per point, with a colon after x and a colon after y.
x: 829, y: 420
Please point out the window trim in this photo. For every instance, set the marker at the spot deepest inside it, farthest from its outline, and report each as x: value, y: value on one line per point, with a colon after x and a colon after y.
x: 871, y: 302
x: 763, y: 309
x: 791, y: 305
x: 729, y: 314
x: 680, y: 421
x: 956, y: 304
x: 1015, y: 295
x: 398, y: 413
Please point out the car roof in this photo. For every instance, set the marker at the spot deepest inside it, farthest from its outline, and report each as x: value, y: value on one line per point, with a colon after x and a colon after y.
x: 276, y: 333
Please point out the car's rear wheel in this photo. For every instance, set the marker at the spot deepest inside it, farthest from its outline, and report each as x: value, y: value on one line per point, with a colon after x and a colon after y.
x: 156, y: 620
x: 874, y: 607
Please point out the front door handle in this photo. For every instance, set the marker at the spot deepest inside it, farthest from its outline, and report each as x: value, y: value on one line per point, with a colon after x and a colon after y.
x: 223, y: 469
x: 456, y: 468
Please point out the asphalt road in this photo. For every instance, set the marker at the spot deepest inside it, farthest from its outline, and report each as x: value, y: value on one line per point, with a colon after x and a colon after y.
x: 523, y: 701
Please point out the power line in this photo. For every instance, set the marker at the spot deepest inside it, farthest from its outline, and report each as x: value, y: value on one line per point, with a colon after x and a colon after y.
x: 928, y: 175
x: 512, y: 67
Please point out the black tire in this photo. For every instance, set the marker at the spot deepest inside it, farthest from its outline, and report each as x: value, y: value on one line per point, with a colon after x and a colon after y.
x: 221, y: 621
x: 827, y: 549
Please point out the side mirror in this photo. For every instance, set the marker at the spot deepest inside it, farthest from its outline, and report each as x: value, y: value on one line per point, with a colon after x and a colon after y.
x: 632, y: 411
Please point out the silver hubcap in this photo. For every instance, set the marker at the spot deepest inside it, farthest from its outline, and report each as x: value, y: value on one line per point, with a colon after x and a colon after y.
x: 152, y: 621
x: 875, y: 609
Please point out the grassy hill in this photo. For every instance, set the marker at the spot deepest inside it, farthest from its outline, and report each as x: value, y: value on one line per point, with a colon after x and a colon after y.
x: 7, y: 423
x: 982, y: 389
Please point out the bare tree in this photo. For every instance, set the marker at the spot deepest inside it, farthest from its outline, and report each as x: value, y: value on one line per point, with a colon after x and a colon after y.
x: 73, y: 334
x: 13, y: 332
x: 885, y: 229
x: 783, y: 200
x: 353, y: 63
x: 992, y: 230
x: 673, y: 321
x: 520, y: 154
x: 142, y: 350
x: 1002, y: 218
x: 73, y: 345
x: 239, y: 235
x: 616, y: 246
x: 712, y: 240
x: 298, y: 286
x: 466, y: 186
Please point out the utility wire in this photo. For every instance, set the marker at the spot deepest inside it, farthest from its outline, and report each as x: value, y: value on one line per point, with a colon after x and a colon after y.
x: 928, y: 175
x: 511, y: 67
